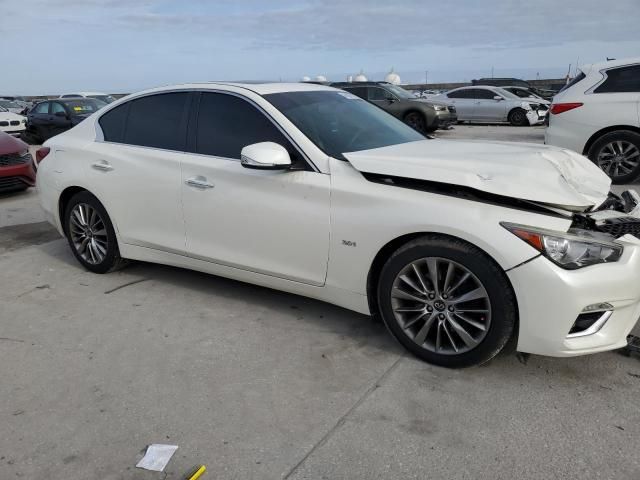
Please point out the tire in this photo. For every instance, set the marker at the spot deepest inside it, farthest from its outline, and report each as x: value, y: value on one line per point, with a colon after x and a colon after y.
x: 618, y: 155
x: 476, y: 304
x: 416, y: 121
x: 518, y: 118
x: 90, y: 234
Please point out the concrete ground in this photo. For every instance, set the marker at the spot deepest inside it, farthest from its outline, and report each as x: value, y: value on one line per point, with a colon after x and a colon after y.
x: 260, y: 384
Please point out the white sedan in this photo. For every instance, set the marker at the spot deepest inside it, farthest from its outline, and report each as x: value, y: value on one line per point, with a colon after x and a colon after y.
x: 459, y: 246
x: 11, y: 123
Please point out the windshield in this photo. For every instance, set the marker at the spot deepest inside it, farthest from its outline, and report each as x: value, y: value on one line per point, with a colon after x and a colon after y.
x: 506, y: 93
x: 339, y: 122
x: 399, y: 91
x: 578, y: 78
x: 103, y: 98
x: 83, y: 106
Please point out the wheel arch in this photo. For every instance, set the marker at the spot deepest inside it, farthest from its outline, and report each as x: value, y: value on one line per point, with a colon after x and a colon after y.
x: 66, y: 195
x: 410, y: 110
x: 387, y: 250
x: 593, y: 138
x: 513, y: 110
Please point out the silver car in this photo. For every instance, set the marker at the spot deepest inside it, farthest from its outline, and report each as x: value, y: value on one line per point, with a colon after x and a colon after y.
x: 493, y: 104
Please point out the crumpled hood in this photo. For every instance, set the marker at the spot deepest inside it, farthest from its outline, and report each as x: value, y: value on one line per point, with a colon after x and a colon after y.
x: 538, y: 173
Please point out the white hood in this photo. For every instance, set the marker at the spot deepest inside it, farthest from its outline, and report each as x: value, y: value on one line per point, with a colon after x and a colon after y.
x: 538, y: 173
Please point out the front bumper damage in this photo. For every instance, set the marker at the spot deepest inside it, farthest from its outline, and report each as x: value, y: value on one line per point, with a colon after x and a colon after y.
x: 554, y: 302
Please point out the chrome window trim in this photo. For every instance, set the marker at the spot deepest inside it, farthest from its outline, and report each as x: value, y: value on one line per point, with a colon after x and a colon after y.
x: 100, y: 137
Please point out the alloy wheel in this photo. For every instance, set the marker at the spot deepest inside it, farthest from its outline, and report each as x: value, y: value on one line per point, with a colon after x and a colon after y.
x: 441, y: 305
x: 88, y: 233
x: 618, y: 158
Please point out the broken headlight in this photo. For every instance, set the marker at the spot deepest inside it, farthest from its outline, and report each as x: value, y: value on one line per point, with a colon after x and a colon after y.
x: 571, y: 250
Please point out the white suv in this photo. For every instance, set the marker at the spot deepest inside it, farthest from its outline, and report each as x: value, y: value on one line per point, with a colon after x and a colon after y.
x: 597, y: 115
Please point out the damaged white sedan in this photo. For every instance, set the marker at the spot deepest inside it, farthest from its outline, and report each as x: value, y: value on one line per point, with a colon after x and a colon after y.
x: 460, y: 247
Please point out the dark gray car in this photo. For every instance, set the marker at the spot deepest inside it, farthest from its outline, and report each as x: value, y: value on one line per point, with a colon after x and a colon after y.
x: 422, y: 114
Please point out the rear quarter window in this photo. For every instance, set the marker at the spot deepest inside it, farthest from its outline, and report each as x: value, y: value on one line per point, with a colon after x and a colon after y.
x: 620, y: 80
x: 113, y: 123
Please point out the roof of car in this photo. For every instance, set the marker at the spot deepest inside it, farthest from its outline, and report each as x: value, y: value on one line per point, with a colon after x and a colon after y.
x: 610, y: 63
x: 84, y: 94
x: 259, y: 88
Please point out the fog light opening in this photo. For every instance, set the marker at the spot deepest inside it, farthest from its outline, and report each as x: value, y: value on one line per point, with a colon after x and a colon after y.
x: 591, y: 320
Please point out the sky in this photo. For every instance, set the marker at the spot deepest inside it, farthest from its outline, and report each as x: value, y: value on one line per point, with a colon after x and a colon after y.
x: 56, y: 46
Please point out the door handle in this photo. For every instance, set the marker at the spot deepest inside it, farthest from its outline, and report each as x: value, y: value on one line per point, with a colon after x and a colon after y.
x: 198, y: 182
x: 102, y: 165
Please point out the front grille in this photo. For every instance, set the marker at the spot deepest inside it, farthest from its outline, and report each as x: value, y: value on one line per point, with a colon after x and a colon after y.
x: 621, y: 226
x: 15, y: 159
x: 10, y: 182
x: 15, y: 122
x: 4, y: 124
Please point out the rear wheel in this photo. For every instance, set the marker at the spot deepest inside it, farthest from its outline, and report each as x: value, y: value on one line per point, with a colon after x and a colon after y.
x: 91, y: 235
x: 518, y: 117
x: 618, y: 155
x: 447, y: 302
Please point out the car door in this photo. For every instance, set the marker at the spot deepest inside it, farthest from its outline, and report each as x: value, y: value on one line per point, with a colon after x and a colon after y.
x: 487, y: 108
x: 385, y: 100
x: 39, y: 120
x: 269, y: 222
x: 59, y: 119
x: 135, y: 169
x: 463, y: 103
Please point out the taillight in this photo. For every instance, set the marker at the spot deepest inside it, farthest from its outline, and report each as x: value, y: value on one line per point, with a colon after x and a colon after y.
x: 557, y: 108
x: 41, y: 153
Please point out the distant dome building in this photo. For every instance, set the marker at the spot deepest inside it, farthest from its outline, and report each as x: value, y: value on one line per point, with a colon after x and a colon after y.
x: 321, y: 78
x: 392, y: 77
x: 306, y: 79
x: 360, y: 77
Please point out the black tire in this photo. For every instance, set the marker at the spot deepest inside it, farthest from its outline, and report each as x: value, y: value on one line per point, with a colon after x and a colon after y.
x: 417, y: 121
x: 502, y: 310
x: 112, y: 260
x: 518, y: 117
x: 627, y: 171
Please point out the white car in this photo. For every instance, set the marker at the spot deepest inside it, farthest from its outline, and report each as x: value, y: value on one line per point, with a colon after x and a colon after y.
x: 104, y: 97
x: 11, y: 123
x: 493, y: 104
x: 598, y: 115
x: 460, y: 246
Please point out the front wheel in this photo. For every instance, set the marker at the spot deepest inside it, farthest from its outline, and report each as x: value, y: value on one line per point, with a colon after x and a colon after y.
x: 91, y: 235
x: 447, y: 302
x: 416, y: 121
x: 618, y: 155
x: 518, y: 118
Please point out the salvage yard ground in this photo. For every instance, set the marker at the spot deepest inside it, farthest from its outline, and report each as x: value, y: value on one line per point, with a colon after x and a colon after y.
x: 261, y: 384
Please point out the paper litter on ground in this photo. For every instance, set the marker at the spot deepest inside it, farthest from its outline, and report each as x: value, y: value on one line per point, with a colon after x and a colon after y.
x: 157, y: 457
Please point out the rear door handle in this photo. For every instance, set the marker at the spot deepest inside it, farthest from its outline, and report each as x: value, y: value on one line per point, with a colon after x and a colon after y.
x: 198, y: 182
x: 102, y: 165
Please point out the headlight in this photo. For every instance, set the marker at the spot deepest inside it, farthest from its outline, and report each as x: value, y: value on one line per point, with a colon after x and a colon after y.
x: 439, y: 108
x: 569, y: 250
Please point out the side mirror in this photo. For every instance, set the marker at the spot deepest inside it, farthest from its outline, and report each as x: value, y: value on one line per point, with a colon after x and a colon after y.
x: 391, y: 99
x: 498, y: 97
x: 265, y: 156
x: 61, y: 114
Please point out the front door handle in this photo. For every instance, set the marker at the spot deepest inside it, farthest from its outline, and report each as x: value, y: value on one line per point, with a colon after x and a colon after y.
x: 199, y: 182
x: 102, y: 165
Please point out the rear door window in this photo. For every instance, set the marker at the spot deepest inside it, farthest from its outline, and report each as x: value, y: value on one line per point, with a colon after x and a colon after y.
x: 619, y: 80
x: 158, y: 121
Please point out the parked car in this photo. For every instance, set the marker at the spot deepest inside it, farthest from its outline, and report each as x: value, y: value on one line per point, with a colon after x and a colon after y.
x: 459, y: 246
x: 11, y: 123
x: 493, y: 104
x: 53, y: 117
x: 423, y: 115
x: 505, y: 82
x: 103, y: 97
x: 12, y: 106
x: 597, y: 115
x: 17, y: 170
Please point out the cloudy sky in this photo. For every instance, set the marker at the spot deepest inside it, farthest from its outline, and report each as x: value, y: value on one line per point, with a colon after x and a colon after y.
x: 51, y: 46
